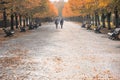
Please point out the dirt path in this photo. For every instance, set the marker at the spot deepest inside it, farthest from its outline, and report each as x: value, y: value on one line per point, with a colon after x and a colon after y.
x: 71, y: 53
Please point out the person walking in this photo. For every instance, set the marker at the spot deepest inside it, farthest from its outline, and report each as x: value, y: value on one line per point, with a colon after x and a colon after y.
x: 56, y: 23
x: 61, y: 23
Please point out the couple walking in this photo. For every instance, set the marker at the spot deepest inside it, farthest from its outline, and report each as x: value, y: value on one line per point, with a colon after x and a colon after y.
x: 57, y: 22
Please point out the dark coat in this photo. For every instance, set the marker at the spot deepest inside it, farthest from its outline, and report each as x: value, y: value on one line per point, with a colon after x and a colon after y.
x: 56, y: 21
x: 61, y: 21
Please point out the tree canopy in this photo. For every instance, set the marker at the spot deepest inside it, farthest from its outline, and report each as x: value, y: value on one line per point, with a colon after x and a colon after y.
x: 85, y: 7
x: 35, y: 8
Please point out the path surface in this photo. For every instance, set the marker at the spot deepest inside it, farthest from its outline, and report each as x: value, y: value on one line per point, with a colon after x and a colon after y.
x: 71, y: 53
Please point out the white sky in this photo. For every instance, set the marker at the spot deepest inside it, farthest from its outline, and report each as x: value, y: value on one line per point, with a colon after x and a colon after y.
x: 58, y: 0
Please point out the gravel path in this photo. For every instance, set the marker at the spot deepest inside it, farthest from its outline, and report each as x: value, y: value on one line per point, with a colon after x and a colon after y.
x: 71, y: 53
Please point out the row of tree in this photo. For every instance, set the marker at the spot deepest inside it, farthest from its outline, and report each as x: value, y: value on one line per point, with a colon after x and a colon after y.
x: 22, y: 12
x: 97, y: 11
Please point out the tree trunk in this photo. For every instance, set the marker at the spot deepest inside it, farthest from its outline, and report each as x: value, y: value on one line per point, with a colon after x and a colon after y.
x: 27, y: 21
x: 93, y: 20
x: 20, y: 17
x: 16, y: 20
x: 30, y: 20
x: 116, y: 17
x: 89, y: 19
x: 24, y: 22
x: 12, y: 21
x: 98, y: 19
x: 103, y: 20
x: 4, y: 18
x: 108, y: 20
x: 96, y: 15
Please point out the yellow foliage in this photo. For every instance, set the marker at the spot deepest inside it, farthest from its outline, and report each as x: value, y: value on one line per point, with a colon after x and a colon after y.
x: 82, y: 7
x: 104, y: 3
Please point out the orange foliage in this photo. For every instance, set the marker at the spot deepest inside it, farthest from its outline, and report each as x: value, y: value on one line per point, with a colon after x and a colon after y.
x: 32, y: 8
x: 53, y: 10
x: 67, y: 11
x: 32, y: 3
x: 83, y: 7
x: 104, y: 3
x: 72, y: 8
